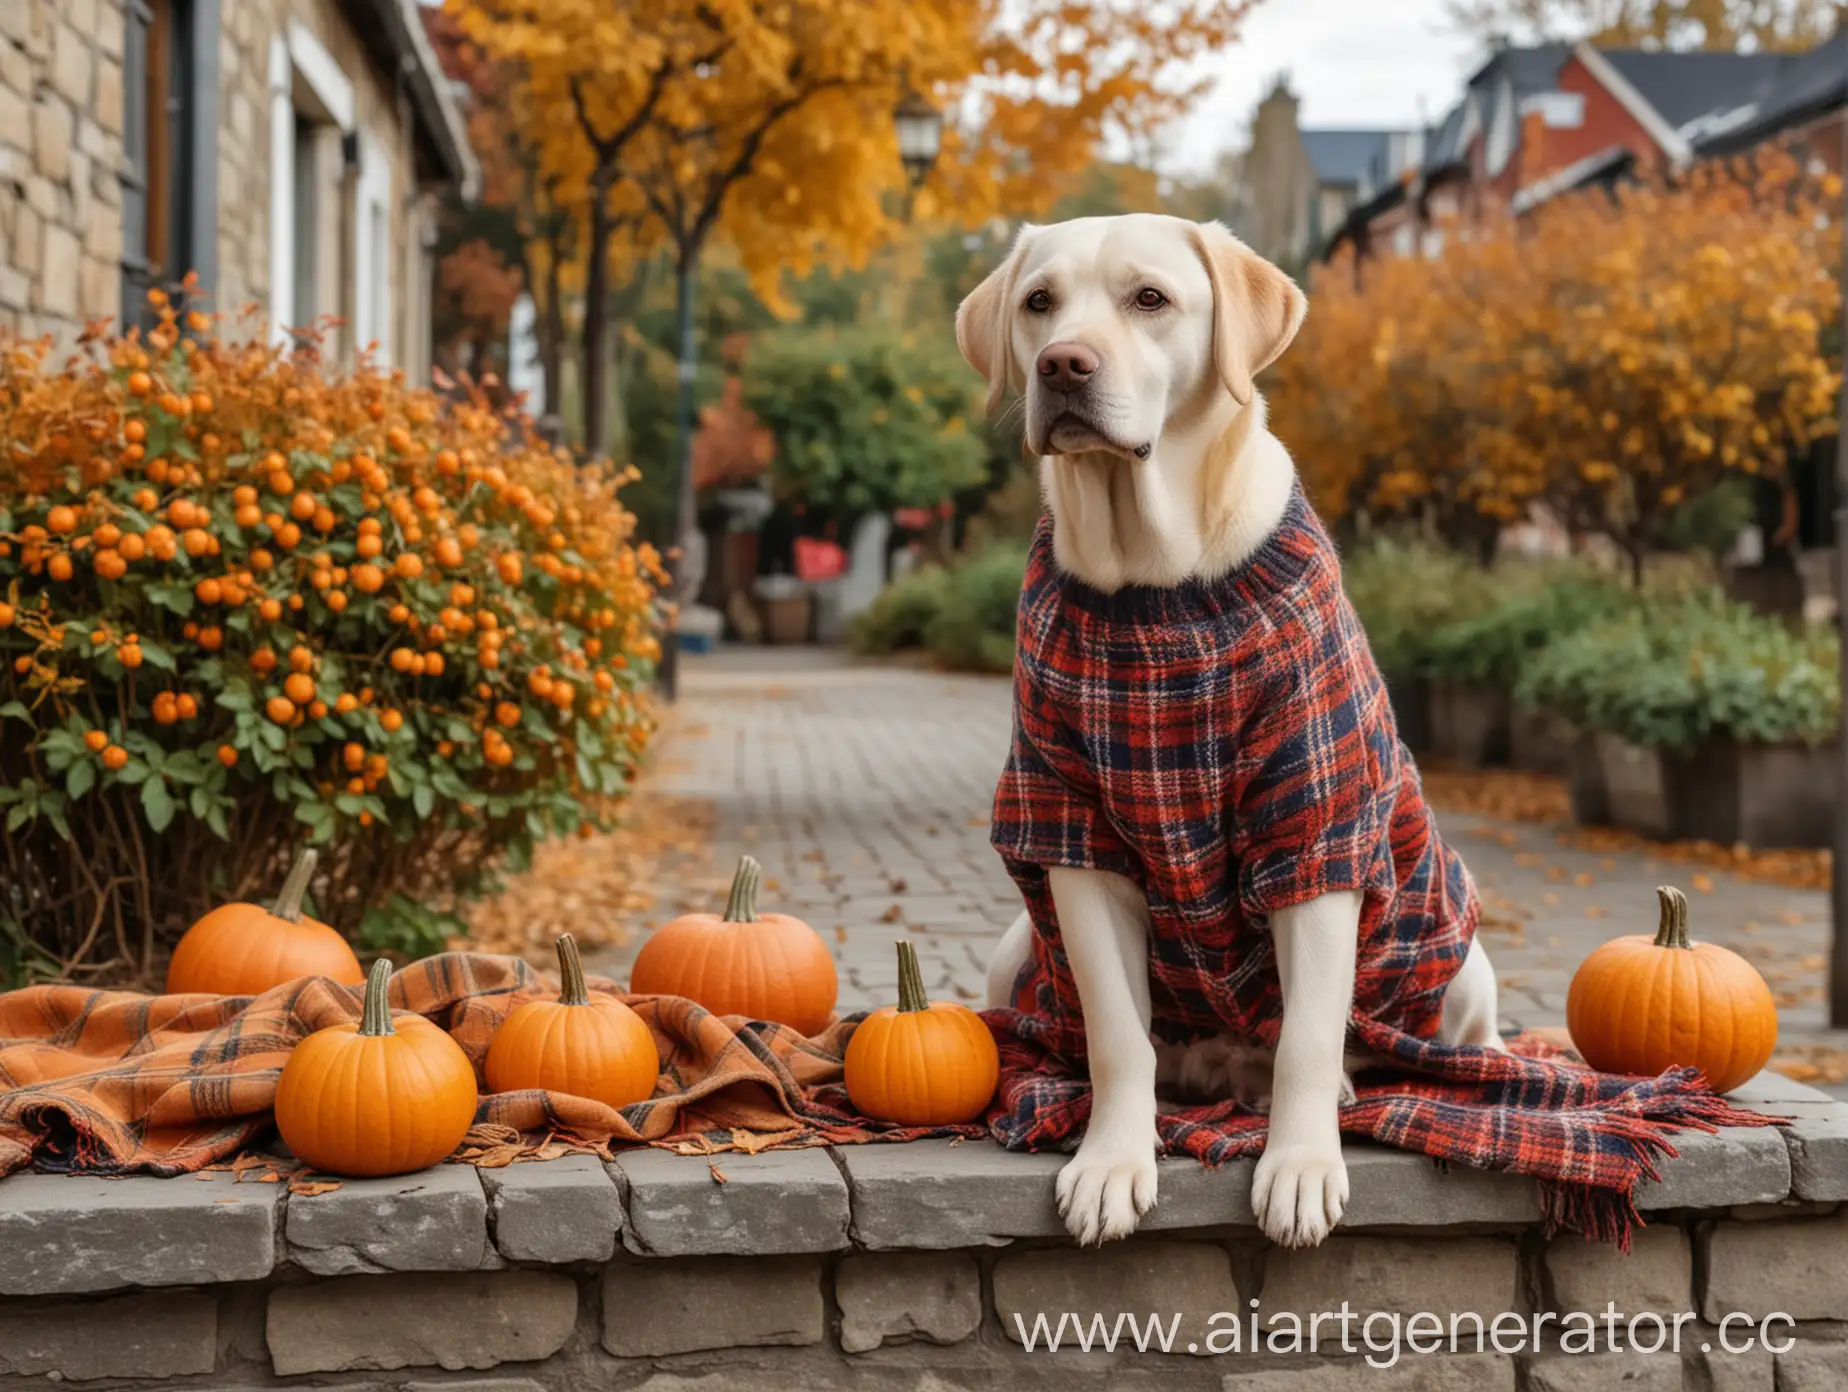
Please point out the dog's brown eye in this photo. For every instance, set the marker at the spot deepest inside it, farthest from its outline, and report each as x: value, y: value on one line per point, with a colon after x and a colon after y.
x: 1148, y: 297
x: 1039, y: 302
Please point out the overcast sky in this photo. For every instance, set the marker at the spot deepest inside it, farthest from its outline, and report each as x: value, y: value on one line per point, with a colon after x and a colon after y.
x: 1351, y: 62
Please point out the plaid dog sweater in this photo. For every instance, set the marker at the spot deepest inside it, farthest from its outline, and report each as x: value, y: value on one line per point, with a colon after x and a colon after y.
x: 1229, y: 747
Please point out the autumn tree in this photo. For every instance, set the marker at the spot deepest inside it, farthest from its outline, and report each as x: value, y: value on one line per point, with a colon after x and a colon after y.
x: 1609, y: 357
x: 1678, y: 24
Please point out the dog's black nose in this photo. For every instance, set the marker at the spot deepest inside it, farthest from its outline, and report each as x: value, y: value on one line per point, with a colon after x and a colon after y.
x: 1066, y: 367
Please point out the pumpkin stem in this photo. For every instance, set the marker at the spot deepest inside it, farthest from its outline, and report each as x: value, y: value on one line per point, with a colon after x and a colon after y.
x: 910, y: 979
x: 288, y: 906
x: 376, y: 1018
x: 572, y: 990
x: 742, y: 906
x: 1673, y: 931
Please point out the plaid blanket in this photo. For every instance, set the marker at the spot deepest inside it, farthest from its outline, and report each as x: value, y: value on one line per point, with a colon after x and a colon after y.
x: 114, y: 1082
x: 1229, y: 746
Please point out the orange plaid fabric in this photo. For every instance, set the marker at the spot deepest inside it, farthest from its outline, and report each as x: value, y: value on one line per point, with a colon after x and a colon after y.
x: 115, y: 1082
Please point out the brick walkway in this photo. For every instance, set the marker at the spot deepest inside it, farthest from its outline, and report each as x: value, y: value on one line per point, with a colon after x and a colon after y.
x: 865, y: 791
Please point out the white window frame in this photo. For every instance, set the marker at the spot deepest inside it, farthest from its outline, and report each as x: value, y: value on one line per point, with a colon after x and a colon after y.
x: 372, y: 249
x: 298, y: 54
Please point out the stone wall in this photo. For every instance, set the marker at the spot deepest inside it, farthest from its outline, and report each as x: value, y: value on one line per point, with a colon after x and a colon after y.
x: 61, y: 160
x: 905, y: 1266
x: 60, y: 156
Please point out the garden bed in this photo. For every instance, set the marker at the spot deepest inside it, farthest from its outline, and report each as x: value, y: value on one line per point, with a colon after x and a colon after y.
x: 878, y: 1265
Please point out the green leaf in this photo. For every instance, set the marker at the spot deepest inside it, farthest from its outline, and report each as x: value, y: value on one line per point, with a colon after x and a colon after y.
x: 158, y: 803
x: 82, y: 778
x: 155, y: 655
x: 17, y: 710
x: 423, y: 800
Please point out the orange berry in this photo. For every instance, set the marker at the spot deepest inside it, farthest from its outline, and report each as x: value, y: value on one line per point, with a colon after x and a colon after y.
x: 336, y: 600
x: 508, y: 714
x: 188, y: 707
x: 317, y: 709
x: 7, y: 615
x: 279, y: 709
x: 132, y: 547
x: 59, y: 567
x: 165, y: 712
x: 368, y: 579
x: 399, y: 613
x: 146, y: 499
x: 140, y: 383
x: 288, y: 536
x: 301, y: 659
x: 211, y: 639
x: 227, y: 755
x: 270, y: 610
x: 209, y: 591
x: 62, y: 520
x: 354, y: 757
x: 280, y: 481
x: 262, y: 561
x: 96, y: 739
x: 408, y: 566
x: 110, y: 565
x: 356, y: 786
x: 369, y: 546
x: 115, y: 757
x: 248, y: 515
x: 509, y: 568
x: 346, y: 703
x: 135, y: 431
x: 449, y: 553
x: 299, y: 687
x: 107, y: 535
x: 196, y: 541
x: 392, y: 720
x: 263, y: 659
x: 402, y: 659
x: 302, y: 506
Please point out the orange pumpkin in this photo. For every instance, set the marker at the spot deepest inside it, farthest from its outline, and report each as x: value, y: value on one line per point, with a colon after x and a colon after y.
x: 764, y: 967
x: 244, y: 950
x: 921, y: 1062
x: 1641, y: 1005
x: 589, y: 1048
x: 375, y: 1098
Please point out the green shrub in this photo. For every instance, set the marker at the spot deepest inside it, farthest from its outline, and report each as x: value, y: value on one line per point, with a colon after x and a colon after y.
x: 902, y: 613
x: 1672, y: 673
x: 1404, y: 593
x: 974, y: 629
x: 1528, y: 607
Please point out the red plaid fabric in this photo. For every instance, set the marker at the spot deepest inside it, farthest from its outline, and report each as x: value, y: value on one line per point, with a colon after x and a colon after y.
x: 1231, y: 749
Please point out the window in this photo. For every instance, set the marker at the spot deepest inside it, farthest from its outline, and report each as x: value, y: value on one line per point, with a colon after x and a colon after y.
x: 167, y: 182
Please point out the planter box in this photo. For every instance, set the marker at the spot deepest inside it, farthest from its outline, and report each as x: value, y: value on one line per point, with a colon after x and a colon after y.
x: 1758, y: 794
x: 1411, y: 711
x: 786, y: 618
x: 1636, y: 787
x: 1591, y: 800
x: 1540, y: 741
x: 1470, y: 723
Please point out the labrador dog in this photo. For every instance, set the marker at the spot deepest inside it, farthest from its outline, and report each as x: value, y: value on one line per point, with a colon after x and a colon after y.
x: 1136, y: 340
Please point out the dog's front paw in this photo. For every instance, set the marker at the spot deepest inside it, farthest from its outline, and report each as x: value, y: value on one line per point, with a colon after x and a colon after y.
x: 1299, y: 1192
x: 1105, y: 1189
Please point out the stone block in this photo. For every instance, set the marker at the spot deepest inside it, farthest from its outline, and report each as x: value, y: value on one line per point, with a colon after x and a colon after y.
x: 896, y: 1296
x: 28, y: 242
x: 1655, y: 1276
x: 107, y: 108
x: 1395, y: 1187
x: 70, y: 65
x: 935, y: 1194
x: 57, y: 281
x: 1754, y: 1370
x: 1141, y: 1279
x: 1776, y: 1095
x: 778, y: 1201
x: 1817, y: 1138
x: 477, y: 1385
x: 559, y: 1210
x: 15, y: 119
x: 52, y: 130
x: 15, y: 289
x: 1452, y: 1372
x: 653, y: 1309
x: 99, y: 291
x: 1396, y: 1275
x: 154, y: 1335
x: 61, y: 1234
x: 1190, y: 1195
x: 457, y: 1320
x: 1735, y: 1165
x: 433, y: 1220
x: 1812, y: 1367
x: 1628, y: 1371
x: 1793, y: 1268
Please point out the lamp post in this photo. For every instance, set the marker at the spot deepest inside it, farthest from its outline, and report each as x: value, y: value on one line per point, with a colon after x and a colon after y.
x: 920, y: 138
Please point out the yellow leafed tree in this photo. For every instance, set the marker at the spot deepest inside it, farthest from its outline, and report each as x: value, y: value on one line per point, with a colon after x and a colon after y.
x: 1610, y: 358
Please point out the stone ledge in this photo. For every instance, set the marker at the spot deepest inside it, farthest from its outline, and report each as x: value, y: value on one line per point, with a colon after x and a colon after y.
x: 562, y: 1210
x: 64, y: 1234
x: 434, y: 1220
x: 783, y: 1201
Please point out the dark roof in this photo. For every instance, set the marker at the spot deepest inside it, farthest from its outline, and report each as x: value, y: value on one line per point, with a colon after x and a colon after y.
x: 1685, y: 86
x: 1444, y: 147
x: 1343, y: 156
x: 394, y: 32
x: 1800, y: 86
x: 1530, y: 70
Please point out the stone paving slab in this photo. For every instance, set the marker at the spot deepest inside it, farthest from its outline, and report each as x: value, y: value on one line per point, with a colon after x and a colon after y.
x: 433, y: 1220
x: 939, y: 1194
x: 561, y: 1210
x: 689, y: 1205
x: 64, y: 1234
x: 1734, y: 1165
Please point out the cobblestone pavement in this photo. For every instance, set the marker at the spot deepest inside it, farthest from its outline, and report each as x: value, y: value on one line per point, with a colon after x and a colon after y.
x: 865, y: 791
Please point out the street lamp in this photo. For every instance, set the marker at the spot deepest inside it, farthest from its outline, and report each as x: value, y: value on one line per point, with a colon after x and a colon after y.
x: 920, y: 137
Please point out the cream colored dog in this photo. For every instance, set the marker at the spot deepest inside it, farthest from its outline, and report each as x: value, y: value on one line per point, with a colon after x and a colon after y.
x: 1136, y: 339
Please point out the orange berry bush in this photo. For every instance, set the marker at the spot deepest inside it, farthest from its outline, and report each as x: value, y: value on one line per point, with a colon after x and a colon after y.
x: 251, y: 600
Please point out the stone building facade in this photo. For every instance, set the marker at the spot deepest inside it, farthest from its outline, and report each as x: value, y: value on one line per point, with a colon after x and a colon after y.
x: 290, y: 153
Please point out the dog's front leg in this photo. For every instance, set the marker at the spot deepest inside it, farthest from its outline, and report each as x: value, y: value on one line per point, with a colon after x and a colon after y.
x: 1300, y: 1189
x: 1110, y: 1183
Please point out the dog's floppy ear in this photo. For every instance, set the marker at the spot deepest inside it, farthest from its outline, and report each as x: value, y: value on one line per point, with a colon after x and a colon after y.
x: 983, y: 321
x: 1257, y: 309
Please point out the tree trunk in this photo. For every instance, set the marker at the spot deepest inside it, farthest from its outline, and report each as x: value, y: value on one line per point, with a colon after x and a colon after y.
x: 596, y: 314
x: 686, y: 516
x: 552, y: 334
